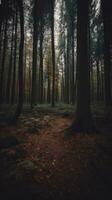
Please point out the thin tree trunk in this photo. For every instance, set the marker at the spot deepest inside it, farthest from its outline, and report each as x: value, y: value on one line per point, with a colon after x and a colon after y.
x: 0, y: 38
x: 62, y: 86
x: 3, y: 62
x: 102, y: 81
x: 65, y: 72
x: 20, y: 72
x: 107, y: 69
x: 15, y: 60
x: 34, y: 63
x: 49, y: 84
x: 41, y: 62
x: 73, y: 69
x: 53, y: 53
x: 107, y: 58
x: 68, y: 69
x: 25, y: 72
x: 10, y: 67
x: 98, y: 80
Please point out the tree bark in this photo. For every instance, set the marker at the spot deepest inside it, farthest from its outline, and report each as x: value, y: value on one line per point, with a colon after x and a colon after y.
x: 41, y: 63
x: 34, y: 63
x: 83, y: 120
x: 3, y: 61
x: 73, y: 68
x: 68, y: 68
x: 20, y: 72
x: 8, y: 88
x: 106, y: 13
x: 15, y: 60
x: 53, y: 53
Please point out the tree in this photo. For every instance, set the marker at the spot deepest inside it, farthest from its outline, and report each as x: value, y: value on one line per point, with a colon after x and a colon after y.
x: 53, y: 52
x: 21, y: 53
x: 34, y: 63
x: 10, y: 67
x: 107, y: 22
x: 15, y: 58
x: 83, y: 118
x: 41, y: 60
x: 3, y: 61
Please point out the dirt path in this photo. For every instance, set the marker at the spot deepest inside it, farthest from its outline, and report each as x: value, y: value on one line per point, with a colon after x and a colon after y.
x: 46, y: 165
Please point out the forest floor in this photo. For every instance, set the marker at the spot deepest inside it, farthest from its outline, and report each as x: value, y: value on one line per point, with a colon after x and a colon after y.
x: 38, y: 162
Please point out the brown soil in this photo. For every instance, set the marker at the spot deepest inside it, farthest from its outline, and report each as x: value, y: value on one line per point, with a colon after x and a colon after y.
x: 43, y: 164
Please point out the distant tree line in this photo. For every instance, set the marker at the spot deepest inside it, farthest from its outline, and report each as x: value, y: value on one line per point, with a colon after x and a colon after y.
x: 56, y: 51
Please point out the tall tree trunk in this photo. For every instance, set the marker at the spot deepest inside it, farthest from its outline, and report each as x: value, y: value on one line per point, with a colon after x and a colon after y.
x: 98, y: 79
x: 41, y: 62
x: 73, y: 68
x: 30, y: 79
x: 0, y: 38
x: 25, y: 71
x: 65, y: 72
x: 68, y: 68
x: 15, y: 60
x: 98, y: 67
x: 62, y: 86
x: 34, y: 63
x: 106, y: 13
x: 3, y: 62
x: 8, y: 88
x: 53, y: 52
x: 49, y: 83
x: 83, y: 120
x: 102, y: 80
x: 21, y: 55
x: 0, y: 27
x: 49, y: 91
x: 57, y: 85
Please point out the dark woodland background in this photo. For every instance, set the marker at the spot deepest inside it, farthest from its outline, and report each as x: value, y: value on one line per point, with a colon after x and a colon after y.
x: 55, y: 99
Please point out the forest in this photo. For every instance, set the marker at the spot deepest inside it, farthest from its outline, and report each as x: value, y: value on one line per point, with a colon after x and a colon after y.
x: 55, y: 99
